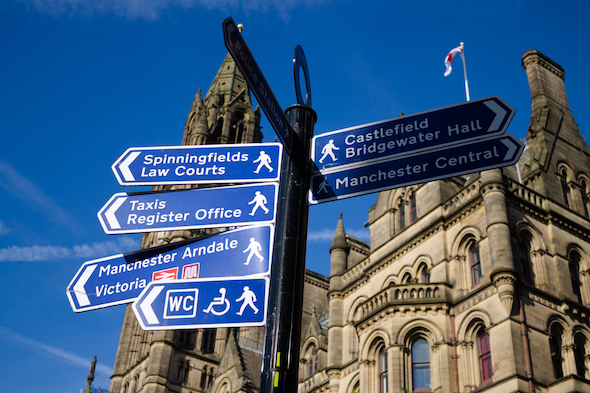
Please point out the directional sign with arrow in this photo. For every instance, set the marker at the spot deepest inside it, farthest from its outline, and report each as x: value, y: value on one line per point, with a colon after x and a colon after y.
x: 245, y: 61
x: 357, y: 146
x: 190, y: 209
x: 199, y: 164
x: 420, y: 168
x: 120, y: 278
x: 195, y: 304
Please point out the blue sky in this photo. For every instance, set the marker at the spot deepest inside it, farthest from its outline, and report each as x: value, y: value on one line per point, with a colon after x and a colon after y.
x: 82, y: 81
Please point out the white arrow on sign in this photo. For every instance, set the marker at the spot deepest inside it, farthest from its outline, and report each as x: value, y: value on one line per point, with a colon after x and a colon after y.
x: 110, y: 213
x: 124, y: 167
x: 79, y: 290
x: 500, y: 114
x: 512, y: 147
x: 146, y: 305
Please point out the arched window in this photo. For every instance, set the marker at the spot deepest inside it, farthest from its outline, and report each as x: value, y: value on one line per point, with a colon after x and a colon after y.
x: 555, y: 342
x: 564, y: 187
x: 420, y: 366
x: 526, y: 267
x: 407, y: 278
x: 485, y: 356
x: 423, y: 274
x: 574, y: 264
x: 583, y: 190
x: 401, y: 218
x: 580, y: 354
x: 413, y: 212
x: 383, y: 374
x: 475, y: 263
x: 312, y: 364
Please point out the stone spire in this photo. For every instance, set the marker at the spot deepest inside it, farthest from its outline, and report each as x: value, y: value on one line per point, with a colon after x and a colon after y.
x: 555, y: 143
x: 339, y: 250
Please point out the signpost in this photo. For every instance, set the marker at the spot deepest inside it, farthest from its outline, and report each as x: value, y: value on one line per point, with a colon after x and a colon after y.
x: 357, y: 146
x: 121, y: 278
x: 419, y: 168
x: 223, y: 280
x: 245, y: 61
x: 190, y: 209
x: 237, y: 163
x: 193, y: 304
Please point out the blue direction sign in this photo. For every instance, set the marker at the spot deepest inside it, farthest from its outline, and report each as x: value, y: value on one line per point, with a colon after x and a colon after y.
x: 193, y: 304
x: 257, y: 82
x: 120, y: 278
x: 356, y: 146
x: 420, y: 168
x: 236, y: 163
x: 190, y: 209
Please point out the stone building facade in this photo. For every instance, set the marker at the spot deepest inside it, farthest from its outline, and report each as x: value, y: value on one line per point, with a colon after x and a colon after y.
x: 474, y: 283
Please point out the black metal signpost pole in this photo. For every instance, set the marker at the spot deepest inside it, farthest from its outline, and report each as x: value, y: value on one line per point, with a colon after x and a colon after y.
x: 283, y: 329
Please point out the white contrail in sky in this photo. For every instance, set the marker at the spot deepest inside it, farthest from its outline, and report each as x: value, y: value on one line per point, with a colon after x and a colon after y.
x: 152, y: 9
x: 85, y: 251
x: 56, y: 352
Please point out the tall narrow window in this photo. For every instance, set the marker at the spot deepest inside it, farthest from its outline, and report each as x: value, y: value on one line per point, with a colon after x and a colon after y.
x: 564, y: 187
x: 383, y: 376
x: 311, y: 362
x: 413, y: 213
x: 580, y: 354
x: 555, y: 348
x: 575, y: 274
x: 420, y: 366
x: 475, y: 263
x: 485, y: 356
x: 402, y: 216
x: 524, y: 252
x: 208, y: 342
x: 583, y: 188
x: 424, y: 274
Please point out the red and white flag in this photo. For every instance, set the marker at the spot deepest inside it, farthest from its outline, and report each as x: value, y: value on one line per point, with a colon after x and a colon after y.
x: 449, y: 58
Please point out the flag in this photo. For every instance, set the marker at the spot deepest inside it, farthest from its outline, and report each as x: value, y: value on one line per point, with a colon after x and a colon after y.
x: 449, y: 58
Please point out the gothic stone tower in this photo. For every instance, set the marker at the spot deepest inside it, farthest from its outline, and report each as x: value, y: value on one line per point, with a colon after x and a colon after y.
x: 164, y: 361
x: 474, y: 283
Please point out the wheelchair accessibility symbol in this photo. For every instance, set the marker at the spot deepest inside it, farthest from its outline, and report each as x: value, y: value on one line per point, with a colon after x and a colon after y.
x: 218, y: 301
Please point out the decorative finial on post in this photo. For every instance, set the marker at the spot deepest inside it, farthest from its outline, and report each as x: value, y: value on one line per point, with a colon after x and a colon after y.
x: 240, y: 27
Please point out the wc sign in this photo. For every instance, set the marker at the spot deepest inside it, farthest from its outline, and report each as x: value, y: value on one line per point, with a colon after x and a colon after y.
x: 181, y: 303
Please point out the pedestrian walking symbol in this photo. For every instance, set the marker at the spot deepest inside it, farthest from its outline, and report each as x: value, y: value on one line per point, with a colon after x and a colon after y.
x: 328, y: 150
x: 264, y: 160
x: 254, y: 247
x: 249, y: 297
x: 259, y: 201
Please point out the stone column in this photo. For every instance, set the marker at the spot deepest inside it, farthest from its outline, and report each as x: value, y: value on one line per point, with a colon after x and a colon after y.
x: 503, y: 273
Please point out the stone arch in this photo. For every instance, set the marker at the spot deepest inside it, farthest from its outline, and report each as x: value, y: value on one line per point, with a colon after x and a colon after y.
x: 582, y: 275
x: 460, y: 248
x: 468, y: 323
x: 475, y: 352
x: 355, y: 309
x: 224, y: 386
x: 435, y: 334
x: 354, y: 380
x: 421, y: 268
x: 372, y: 340
x: 529, y: 236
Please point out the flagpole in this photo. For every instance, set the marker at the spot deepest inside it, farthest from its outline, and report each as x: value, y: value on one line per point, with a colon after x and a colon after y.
x: 465, y: 71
